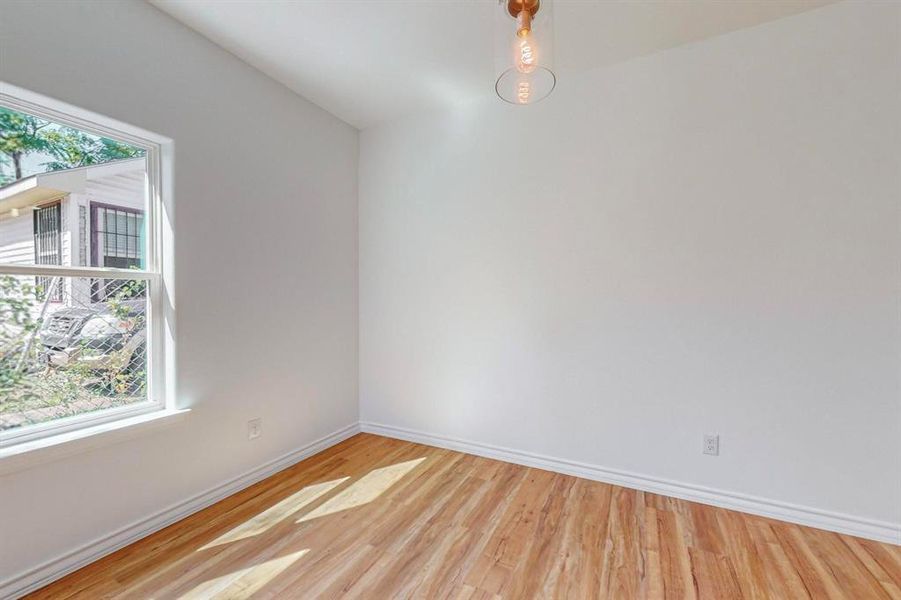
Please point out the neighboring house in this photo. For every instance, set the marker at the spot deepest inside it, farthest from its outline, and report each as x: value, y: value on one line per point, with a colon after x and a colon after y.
x: 87, y: 216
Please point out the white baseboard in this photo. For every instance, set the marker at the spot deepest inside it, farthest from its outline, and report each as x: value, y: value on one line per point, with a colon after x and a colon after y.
x: 802, y: 515
x: 26, y: 582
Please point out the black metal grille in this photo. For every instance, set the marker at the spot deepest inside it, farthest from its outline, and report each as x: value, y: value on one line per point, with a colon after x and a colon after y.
x: 117, y: 240
x: 48, y: 248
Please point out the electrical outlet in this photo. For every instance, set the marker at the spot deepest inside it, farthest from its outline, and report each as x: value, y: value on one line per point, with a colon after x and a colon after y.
x: 712, y: 445
x: 254, y: 428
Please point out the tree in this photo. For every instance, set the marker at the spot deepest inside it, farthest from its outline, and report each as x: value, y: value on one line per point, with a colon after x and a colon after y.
x: 4, y: 162
x: 20, y: 135
x: 72, y: 148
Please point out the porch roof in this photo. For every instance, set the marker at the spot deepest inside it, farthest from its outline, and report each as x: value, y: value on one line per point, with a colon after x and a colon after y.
x: 41, y: 188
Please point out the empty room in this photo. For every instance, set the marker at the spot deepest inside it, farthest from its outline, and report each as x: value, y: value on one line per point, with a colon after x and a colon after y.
x: 450, y: 299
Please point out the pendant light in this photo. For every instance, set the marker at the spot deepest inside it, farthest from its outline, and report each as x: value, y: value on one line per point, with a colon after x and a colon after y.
x: 524, y: 39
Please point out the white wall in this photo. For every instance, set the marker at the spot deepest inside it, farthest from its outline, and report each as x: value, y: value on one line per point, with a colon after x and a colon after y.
x: 266, y: 265
x: 701, y: 240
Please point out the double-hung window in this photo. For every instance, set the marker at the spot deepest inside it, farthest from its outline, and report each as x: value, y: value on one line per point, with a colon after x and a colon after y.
x: 82, y: 336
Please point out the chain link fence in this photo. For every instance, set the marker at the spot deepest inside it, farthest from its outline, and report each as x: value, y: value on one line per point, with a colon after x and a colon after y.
x: 69, y: 346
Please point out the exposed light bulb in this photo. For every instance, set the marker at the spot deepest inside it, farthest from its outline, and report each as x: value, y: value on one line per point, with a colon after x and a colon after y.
x: 525, y: 55
x: 524, y: 51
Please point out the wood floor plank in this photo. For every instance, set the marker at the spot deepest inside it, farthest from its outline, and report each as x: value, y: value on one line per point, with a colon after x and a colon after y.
x: 476, y: 527
x: 493, y: 571
x: 541, y: 567
x: 820, y: 583
x: 886, y: 556
x: 714, y: 575
x: 847, y: 569
x: 783, y: 580
x: 627, y: 568
x: 375, y: 517
x: 743, y: 554
x: 675, y: 561
x: 891, y: 585
x: 586, y: 540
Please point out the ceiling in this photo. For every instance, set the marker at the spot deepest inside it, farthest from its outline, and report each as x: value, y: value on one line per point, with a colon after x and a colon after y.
x: 369, y: 61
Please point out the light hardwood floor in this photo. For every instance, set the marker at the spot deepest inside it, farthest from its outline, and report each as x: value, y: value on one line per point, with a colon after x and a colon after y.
x: 379, y: 518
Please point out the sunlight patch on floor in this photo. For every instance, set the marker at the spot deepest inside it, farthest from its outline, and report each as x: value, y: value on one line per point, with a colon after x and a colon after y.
x: 276, y: 513
x: 245, y: 582
x: 368, y: 488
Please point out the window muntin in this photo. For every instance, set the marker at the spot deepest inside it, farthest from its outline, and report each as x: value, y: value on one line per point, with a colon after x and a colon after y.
x: 112, y: 303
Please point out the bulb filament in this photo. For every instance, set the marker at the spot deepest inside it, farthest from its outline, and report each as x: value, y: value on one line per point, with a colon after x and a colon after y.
x: 525, y: 62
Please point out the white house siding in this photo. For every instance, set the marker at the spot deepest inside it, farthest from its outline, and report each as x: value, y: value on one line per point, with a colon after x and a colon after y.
x: 17, y: 239
x: 125, y: 189
x: 17, y: 233
x: 17, y: 245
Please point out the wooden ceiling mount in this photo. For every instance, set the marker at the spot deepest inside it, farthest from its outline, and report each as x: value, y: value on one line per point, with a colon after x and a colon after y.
x: 523, y: 11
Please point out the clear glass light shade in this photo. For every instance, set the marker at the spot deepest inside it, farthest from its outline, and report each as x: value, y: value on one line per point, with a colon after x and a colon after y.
x: 524, y: 50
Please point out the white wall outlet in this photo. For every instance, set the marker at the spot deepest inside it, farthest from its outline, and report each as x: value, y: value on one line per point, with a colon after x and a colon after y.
x: 712, y: 445
x: 254, y: 428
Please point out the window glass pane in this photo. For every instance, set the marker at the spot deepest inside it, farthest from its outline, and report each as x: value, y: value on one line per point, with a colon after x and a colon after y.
x: 114, y: 185
x: 123, y: 233
x: 80, y: 353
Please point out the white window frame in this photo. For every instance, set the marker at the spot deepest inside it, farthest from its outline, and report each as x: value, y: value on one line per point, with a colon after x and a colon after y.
x: 157, y: 271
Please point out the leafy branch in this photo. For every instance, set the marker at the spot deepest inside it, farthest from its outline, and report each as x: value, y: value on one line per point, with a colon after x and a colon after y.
x: 22, y: 135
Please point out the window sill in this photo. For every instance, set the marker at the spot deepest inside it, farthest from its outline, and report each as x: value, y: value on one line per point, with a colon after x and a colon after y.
x: 27, y: 454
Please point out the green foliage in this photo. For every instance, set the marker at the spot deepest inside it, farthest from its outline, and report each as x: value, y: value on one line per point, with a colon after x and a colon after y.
x: 22, y: 134
x: 5, y: 163
x: 33, y: 389
x: 16, y: 324
x: 73, y: 148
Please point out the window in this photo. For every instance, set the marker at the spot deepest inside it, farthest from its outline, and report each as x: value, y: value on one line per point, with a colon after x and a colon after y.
x: 82, y: 336
x: 117, y: 235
